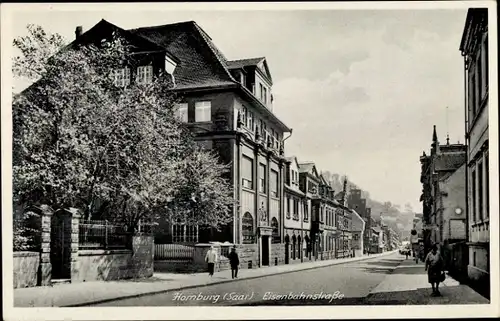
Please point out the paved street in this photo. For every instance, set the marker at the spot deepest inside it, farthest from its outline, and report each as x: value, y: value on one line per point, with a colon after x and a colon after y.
x: 343, y: 284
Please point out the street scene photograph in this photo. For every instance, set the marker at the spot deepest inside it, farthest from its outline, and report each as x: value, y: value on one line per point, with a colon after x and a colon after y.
x: 161, y: 156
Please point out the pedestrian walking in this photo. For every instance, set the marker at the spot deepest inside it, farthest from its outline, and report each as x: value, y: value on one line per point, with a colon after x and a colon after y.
x: 434, y: 266
x: 234, y: 261
x: 211, y: 259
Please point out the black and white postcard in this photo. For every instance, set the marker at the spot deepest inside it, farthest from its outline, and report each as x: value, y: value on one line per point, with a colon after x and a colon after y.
x: 250, y: 160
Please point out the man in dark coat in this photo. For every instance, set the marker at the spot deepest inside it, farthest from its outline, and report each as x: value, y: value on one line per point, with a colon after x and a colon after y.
x: 234, y: 261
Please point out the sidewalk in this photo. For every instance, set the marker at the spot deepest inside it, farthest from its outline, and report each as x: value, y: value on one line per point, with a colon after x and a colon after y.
x: 87, y: 293
x: 407, y: 285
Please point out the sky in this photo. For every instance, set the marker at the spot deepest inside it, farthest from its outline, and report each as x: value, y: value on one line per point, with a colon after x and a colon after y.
x: 361, y: 89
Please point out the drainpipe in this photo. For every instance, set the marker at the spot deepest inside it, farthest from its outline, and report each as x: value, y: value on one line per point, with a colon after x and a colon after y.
x: 466, y: 115
x: 283, y: 141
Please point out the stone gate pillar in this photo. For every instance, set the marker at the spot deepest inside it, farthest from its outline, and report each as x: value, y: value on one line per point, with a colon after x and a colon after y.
x: 75, y: 228
x: 45, y: 272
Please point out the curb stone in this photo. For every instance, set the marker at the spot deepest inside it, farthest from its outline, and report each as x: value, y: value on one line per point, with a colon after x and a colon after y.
x: 139, y: 295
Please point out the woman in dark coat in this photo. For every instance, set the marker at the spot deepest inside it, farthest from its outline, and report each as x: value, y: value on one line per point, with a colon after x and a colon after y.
x: 434, y: 266
x: 234, y: 261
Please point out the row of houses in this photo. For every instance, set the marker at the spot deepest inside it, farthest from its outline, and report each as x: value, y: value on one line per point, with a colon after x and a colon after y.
x: 286, y: 211
x: 455, y: 177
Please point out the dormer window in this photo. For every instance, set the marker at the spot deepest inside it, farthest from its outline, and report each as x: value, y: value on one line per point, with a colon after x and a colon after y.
x: 122, y: 77
x: 170, y: 67
x: 144, y: 74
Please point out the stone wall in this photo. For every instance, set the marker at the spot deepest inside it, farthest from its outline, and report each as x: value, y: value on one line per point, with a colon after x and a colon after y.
x: 277, y: 254
x: 106, y: 265
x: 142, y: 256
x: 102, y: 265
x: 248, y: 253
x: 26, y: 266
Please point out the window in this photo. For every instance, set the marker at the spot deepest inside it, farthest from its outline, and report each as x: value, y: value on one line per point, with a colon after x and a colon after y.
x: 276, y: 232
x: 122, y: 77
x: 473, y: 96
x: 182, y: 112
x: 264, y: 97
x: 479, y: 71
x: 288, y: 207
x: 203, y: 111
x: 473, y: 191
x: 306, y: 212
x: 247, y: 172
x: 274, y: 183
x: 480, y: 190
x: 144, y: 74
x: 182, y: 233
x: 295, y: 209
x: 263, y: 128
x: 487, y: 183
x: 247, y: 228
x: 312, y: 188
x: 249, y: 122
x: 243, y: 115
x: 486, y: 63
x: 262, y: 178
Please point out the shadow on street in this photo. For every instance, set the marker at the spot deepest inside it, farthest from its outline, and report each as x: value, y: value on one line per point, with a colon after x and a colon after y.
x: 422, y: 296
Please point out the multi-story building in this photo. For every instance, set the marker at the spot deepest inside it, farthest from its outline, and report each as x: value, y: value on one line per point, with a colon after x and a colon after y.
x: 474, y: 49
x: 358, y: 203
x: 377, y: 240
x: 358, y: 230
x: 297, y: 224
x: 344, y: 224
x: 327, y: 205
x: 309, y: 182
x: 228, y: 106
x: 440, y: 176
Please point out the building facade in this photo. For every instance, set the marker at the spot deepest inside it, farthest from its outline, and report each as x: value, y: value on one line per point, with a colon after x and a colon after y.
x: 343, y: 216
x: 356, y: 202
x: 309, y: 182
x: 297, y: 224
x: 437, y: 168
x: 327, y: 222
x: 358, y: 231
x: 227, y: 104
x: 474, y: 49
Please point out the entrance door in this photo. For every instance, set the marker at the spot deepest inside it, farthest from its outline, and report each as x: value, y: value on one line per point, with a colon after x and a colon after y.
x: 265, y: 250
x: 60, y: 245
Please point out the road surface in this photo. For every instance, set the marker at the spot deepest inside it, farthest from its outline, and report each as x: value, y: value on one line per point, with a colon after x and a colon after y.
x: 342, y: 284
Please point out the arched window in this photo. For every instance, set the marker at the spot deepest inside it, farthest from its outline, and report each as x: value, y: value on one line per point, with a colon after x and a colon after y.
x: 247, y: 228
x: 276, y: 232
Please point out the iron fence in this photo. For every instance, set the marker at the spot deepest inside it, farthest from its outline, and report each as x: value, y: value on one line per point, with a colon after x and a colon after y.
x: 174, y: 252
x: 95, y: 234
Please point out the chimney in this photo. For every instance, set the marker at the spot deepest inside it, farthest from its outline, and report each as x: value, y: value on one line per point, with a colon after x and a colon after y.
x: 78, y: 32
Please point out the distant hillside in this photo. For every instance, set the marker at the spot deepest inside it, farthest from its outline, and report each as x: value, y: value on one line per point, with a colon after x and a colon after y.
x: 394, y: 216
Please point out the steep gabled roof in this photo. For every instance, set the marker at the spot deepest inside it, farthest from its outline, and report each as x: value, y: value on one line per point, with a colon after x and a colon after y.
x: 201, y: 63
x: 294, y: 160
x: 240, y: 63
x: 308, y: 167
x: 259, y: 62
x: 104, y: 29
x: 449, y: 162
